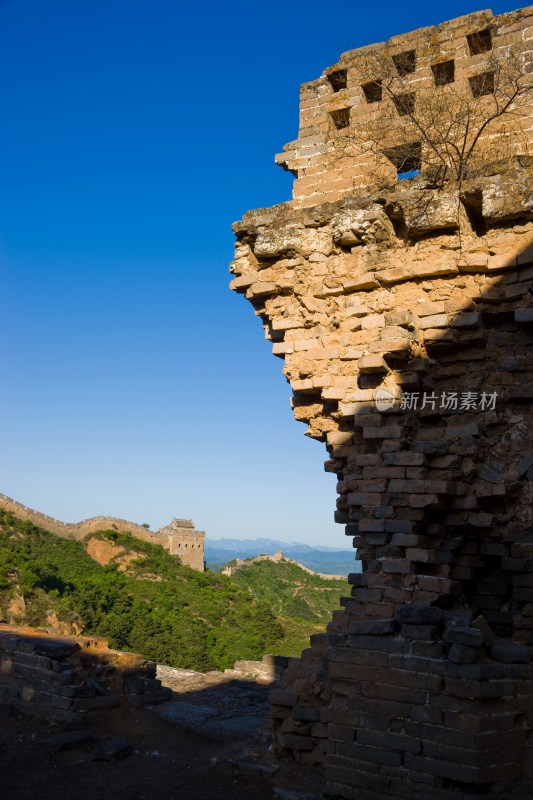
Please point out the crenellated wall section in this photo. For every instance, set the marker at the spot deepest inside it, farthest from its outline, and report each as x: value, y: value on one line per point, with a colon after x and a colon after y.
x: 178, y: 537
x: 347, y: 123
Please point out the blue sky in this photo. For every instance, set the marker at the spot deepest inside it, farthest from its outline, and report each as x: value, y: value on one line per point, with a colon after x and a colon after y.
x: 134, y: 383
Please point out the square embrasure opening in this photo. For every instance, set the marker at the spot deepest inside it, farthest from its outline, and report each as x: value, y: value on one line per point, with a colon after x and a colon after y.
x: 479, y: 42
x: 482, y: 84
x: 340, y: 118
x: 443, y: 73
x: 338, y: 80
x: 373, y: 91
x: 407, y: 159
x: 405, y: 63
x: 405, y: 103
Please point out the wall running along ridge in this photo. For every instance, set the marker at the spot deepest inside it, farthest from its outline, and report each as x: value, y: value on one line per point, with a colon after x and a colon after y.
x: 178, y: 537
x: 421, y: 686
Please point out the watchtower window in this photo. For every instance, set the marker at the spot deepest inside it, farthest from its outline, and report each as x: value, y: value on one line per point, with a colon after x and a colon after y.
x: 338, y: 80
x: 482, y: 84
x: 407, y: 159
x: 373, y: 91
x: 443, y: 73
x: 341, y: 118
x: 405, y: 62
x: 405, y: 103
x: 479, y: 42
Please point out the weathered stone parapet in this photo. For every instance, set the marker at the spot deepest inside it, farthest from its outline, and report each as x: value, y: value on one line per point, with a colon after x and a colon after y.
x: 267, y: 671
x: 66, y: 678
x: 336, y: 153
x: 403, y: 316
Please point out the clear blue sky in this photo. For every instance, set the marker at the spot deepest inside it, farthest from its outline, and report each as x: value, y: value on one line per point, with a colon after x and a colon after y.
x: 133, y: 132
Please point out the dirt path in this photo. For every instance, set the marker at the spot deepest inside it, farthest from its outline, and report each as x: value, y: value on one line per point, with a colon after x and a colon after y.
x: 167, y: 762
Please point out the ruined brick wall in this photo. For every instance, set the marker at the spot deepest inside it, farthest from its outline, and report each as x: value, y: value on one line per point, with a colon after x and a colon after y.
x: 404, y: 320
x: 68, y: 678
x: 179, y: 537
x: 332, y: 155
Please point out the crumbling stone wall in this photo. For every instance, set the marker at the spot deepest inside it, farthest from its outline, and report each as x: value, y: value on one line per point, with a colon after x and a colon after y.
x: 333, y: 156
x: 178, y: 537
x: 404, y: 320
x: 67, y: 678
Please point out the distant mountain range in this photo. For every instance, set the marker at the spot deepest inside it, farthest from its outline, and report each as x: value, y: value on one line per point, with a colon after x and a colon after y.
x: 329, y: 560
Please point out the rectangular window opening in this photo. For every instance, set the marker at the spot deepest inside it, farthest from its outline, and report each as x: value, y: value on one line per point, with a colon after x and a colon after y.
x: 412, y: 173
x: 405, y: 103
x: 482, y: 84
x: 341, y: 118
x: 405, y: 63
x: 338, y: 80
x: 373, y: 91
x: 443, y: 73
x: 479, y: 42
x: 406, y: 158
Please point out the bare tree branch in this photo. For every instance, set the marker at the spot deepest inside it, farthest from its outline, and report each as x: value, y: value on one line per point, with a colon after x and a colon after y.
x: 454, y: 125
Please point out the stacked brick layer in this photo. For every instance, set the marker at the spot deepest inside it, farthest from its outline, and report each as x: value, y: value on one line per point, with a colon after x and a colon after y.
x: 64, y: 679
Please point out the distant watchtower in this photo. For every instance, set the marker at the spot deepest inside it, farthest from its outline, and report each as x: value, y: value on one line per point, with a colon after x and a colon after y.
x: 185, y: 542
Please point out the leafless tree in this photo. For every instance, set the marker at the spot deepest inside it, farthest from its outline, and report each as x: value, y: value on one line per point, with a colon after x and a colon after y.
x: 459, y: 128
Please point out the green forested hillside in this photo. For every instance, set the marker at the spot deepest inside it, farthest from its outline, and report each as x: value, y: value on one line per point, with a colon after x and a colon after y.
x: 302, y: 601
x: 144, y: 600
x: 157, y: 607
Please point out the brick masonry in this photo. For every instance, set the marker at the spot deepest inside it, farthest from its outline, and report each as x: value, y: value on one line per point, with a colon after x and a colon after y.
x: 330, y: 162
x: 403, y: 316
x: 68, y: 678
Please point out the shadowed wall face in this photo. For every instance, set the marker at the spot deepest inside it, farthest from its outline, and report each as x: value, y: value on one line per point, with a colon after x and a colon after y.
x: 405, y: 323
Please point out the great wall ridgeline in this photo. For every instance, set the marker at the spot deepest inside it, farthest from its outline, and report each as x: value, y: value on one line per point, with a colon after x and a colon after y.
x: 276, y: 558
x: 402, y: 311
x: 179, y: 537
